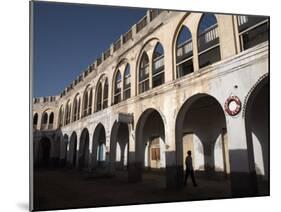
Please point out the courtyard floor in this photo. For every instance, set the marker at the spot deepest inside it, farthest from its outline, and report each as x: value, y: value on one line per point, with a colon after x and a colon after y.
x: 64, y: 188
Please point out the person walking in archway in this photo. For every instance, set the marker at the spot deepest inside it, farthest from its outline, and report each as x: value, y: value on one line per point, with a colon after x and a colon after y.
x: 189, y: 169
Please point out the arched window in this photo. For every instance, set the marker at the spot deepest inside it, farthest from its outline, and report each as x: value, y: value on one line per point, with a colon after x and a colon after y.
x: 90, y: 101
x: 76, y: 107
x: 85, y: 103
x: 67, y: 112
x: 102, y: 94
x: 117, y: 87
x: 35, y: 120
x: 184, y: 52
x: 99, y: 97
x: 51, y: 121
x: 44, y: 120
x: 60, y: 121
x: 127, y: 83
x: 105, y: 94
x: 158, y: 77
x: 144, y: 73
x: 253, y: 30
x: 208, y: 40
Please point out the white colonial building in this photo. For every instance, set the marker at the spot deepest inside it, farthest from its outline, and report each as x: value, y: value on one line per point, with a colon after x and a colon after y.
x: 176, y: 81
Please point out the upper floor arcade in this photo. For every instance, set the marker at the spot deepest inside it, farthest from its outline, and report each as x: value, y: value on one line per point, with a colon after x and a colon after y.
x: 165, y: 46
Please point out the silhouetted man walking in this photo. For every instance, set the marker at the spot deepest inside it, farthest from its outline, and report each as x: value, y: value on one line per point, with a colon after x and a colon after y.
x: 189, y: 169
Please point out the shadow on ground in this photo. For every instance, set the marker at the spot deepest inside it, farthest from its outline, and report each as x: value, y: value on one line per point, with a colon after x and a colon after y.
x: 58, y: 189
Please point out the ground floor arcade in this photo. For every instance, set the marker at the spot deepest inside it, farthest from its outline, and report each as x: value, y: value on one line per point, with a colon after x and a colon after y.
x: 231, y: 149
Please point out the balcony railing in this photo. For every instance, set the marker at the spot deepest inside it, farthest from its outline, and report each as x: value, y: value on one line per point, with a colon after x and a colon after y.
x: 127, y: 93
x: 144, y: 71
x: 242, y: 19
x: 184, y: 51
x: 144, y: 85
x: 245, y: 22
x: 85, y: 112
x: 105, y: 103
x: 158, y: 64
x: 208, y: 38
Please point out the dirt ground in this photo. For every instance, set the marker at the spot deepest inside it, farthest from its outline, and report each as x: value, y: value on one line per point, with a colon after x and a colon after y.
x: 58, y: 189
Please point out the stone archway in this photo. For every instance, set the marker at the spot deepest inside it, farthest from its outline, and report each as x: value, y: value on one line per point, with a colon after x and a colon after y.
x: 119, y: 140
x: 257, y: 133
x: 84, y: 149
x: 63, y: 150
x: 72, y: 152
x: 201, y: 119
x: 99, y: 153
x: 150, y: 144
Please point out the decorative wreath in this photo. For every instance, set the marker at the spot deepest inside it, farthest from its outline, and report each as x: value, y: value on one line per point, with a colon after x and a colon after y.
x: 237, y: 108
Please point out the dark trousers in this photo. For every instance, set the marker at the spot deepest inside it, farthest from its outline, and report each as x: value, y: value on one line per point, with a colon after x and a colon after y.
x: 191, y: 172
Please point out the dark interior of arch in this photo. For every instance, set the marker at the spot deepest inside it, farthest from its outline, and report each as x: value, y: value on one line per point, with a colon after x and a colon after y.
x: 44, y: 151
x: 84, y: 149
x: 204, y: 118
x: 149, y: 127
x: 51, y: 118
x: 72, y: 150
x: 35, y: 119
x: 257, y: 130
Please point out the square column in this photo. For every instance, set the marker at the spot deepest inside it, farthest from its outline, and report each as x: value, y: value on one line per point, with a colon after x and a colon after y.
x: 242, y: 173
x: 134, y: 167
x: 174, y: 180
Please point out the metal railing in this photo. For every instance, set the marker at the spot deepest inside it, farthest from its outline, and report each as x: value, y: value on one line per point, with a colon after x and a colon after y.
x: 184, y: 49
x: 208, y: 38
x: 158, y: 63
